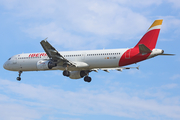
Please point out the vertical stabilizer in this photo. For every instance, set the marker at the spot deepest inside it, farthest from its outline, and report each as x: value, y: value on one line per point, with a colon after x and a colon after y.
x: 151, y: 36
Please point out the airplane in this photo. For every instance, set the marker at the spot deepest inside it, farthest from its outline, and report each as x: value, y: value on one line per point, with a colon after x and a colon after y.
x: 78, y: 64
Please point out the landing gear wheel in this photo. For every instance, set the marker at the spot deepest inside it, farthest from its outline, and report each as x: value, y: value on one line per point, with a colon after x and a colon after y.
x: 66, y: 73
x: 18, y: 78
x: 87, y: 79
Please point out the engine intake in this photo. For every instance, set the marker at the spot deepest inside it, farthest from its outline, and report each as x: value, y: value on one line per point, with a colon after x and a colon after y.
x: 51, y: 65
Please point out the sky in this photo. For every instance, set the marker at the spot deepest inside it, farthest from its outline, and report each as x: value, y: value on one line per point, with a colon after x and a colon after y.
x: 150, y: 93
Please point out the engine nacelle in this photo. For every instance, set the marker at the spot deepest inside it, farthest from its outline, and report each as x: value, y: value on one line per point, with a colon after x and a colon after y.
x: 45, y: 65
x: 77, y: 74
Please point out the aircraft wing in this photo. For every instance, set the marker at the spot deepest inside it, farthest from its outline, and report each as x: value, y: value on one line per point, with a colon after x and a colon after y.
x: 53, y: 53
x: 117, y: 68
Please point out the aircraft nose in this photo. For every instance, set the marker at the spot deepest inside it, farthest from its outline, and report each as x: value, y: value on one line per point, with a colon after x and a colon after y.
x: 5, y: 66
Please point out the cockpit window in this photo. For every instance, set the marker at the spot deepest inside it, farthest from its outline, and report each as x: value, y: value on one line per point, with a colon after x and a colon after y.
x: 9, y: 59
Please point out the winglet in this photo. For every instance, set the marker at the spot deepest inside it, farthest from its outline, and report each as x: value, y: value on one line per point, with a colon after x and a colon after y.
x: 45, y: 39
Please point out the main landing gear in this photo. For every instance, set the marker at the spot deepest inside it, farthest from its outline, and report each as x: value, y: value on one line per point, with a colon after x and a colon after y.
x: 87, y: 79
x: 19, y: 78
x: 66, y: 73
x: 85, y: 75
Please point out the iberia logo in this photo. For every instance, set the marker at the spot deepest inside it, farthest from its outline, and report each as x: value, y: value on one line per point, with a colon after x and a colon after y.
x: 37, y: 54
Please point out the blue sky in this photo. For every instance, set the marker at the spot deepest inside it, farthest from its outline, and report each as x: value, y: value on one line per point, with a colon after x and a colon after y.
x: 149, y: 93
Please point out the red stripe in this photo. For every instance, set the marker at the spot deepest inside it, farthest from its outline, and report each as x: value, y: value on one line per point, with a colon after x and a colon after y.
x: 132, y: 56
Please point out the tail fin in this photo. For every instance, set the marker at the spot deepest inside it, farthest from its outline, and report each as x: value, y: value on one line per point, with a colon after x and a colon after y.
x: 151, y: 36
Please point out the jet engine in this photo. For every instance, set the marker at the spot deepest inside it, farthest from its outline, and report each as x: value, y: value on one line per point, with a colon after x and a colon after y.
x: 45, y: 65
x: 77, y: 74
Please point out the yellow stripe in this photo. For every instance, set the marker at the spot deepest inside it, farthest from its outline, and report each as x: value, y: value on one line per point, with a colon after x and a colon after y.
x: 156, y: 23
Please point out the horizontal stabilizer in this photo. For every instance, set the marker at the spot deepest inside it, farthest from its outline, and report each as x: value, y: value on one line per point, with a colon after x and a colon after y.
x: 168, y: 54
x: 143, y: 49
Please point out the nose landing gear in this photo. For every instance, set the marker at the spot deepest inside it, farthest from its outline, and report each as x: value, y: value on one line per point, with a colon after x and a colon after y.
x: 19, y: 78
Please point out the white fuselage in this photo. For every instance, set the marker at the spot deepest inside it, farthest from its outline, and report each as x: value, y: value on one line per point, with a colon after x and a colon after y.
x: 84, y: 59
